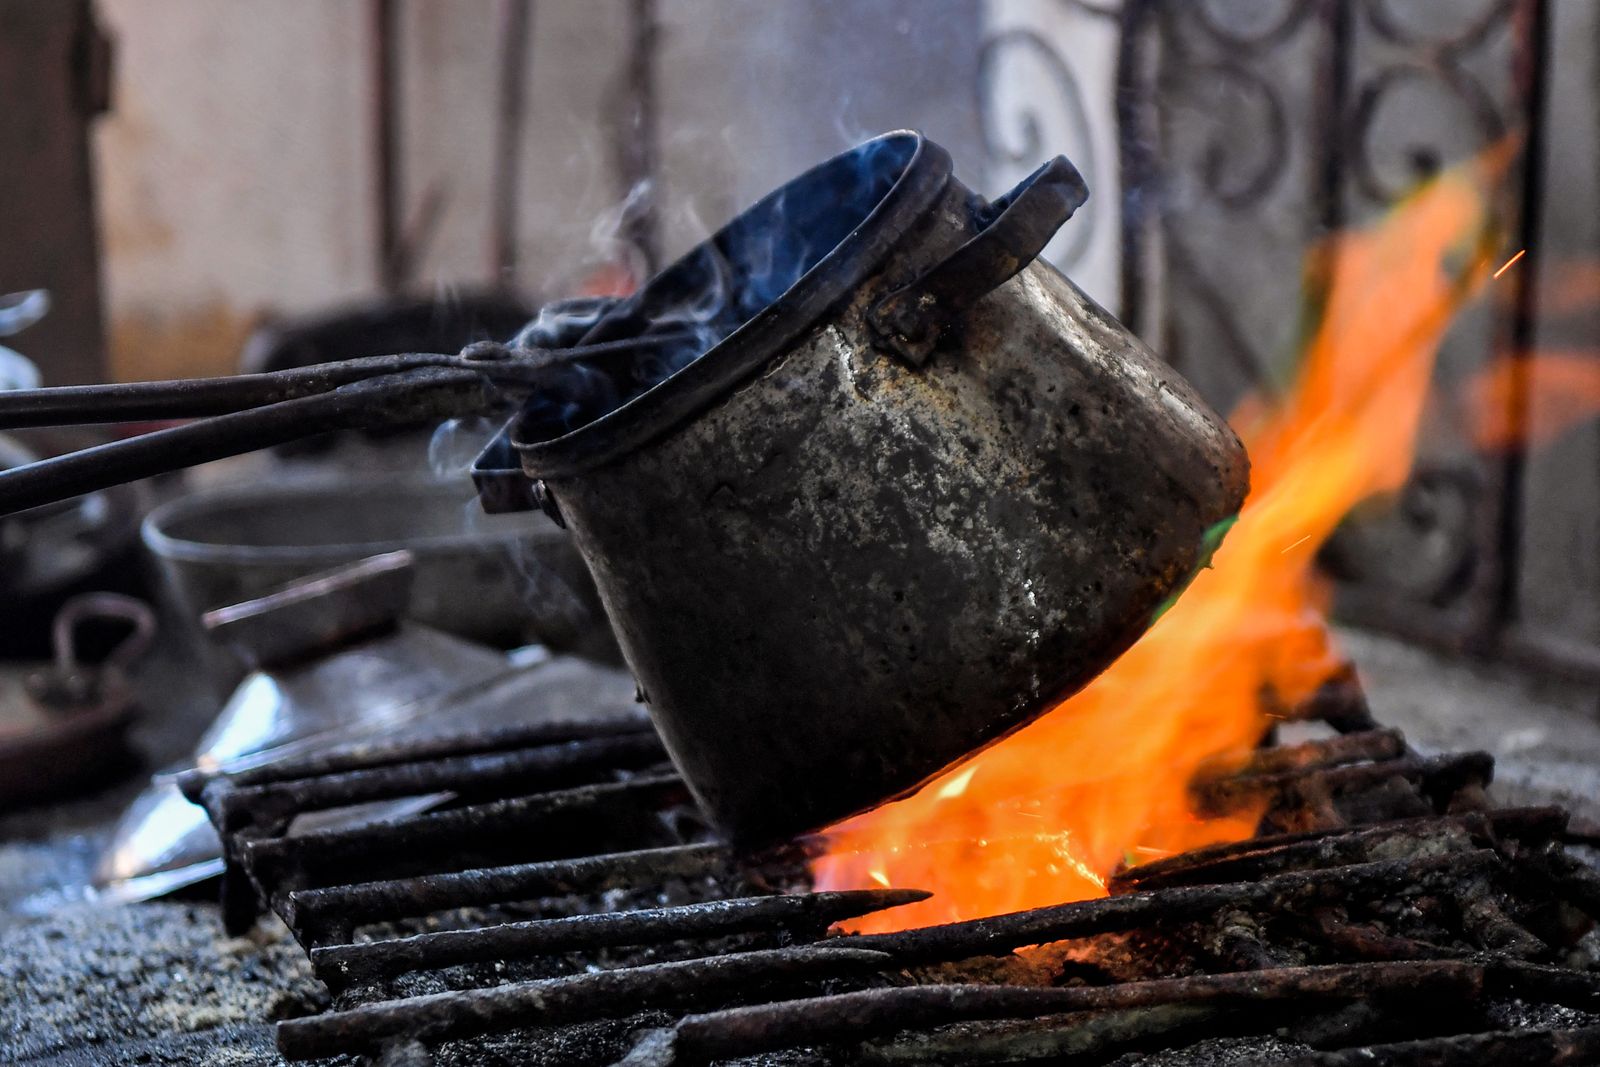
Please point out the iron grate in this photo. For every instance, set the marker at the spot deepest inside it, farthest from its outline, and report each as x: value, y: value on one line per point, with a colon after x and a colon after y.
x: 1386, y: 914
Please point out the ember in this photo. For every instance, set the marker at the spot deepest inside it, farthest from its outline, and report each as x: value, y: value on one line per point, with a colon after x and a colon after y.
x: 1050, y: 813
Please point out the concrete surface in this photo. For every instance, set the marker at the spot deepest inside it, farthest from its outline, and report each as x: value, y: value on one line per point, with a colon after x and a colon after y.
x: 1544, y: 735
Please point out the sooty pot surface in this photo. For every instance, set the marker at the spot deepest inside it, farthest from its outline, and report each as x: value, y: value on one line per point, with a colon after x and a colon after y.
x: 834, y: 569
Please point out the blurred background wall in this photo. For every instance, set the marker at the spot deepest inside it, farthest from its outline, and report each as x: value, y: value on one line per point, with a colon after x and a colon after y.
x: 238, y: 166
x: 243, y: 175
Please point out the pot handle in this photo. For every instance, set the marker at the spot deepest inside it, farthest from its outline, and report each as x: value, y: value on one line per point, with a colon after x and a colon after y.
x: 1019, y: 224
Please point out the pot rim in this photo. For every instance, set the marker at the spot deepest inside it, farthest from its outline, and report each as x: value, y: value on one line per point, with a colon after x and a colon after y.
x: 165, y: 545
x: 753, y: 344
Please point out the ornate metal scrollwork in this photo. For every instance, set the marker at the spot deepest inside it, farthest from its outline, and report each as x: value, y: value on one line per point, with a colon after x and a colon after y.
x: 1217, y: 159
x: 1020, y: 134
x: 1463, y: 86
x: 1390, y: 25
x: 1427, y: 549
x: 1437, y: 59
x: 1110, y: 12
x: 1029, y: 146
x: 1293, y: 15
x: 1424, y: 548
x: 1319, y: 85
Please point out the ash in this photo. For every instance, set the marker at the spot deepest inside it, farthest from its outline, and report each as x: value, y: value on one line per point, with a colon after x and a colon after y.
x: 107, y: 985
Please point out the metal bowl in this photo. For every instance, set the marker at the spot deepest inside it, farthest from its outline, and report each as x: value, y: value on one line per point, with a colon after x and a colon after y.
x: 503, y: 579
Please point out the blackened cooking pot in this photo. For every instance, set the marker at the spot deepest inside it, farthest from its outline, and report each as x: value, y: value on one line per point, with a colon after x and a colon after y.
x: 918, y: 489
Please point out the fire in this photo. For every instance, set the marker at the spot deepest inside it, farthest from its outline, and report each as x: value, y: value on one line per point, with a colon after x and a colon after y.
x: 1516, y: 402
x: 1048, y: 814
x: 1512, y: 262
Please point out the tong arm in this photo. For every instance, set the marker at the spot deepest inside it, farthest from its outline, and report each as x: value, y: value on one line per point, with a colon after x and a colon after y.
x: 183, y: 398
x: 252, y: 411
x: 426, y: 394
x: 70, y: 405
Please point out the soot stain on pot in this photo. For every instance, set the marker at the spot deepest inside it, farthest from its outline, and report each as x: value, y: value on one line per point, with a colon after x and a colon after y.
x: 992, y: 517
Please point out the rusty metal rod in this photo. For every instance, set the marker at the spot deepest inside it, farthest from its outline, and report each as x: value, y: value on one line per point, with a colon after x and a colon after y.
x: 1582, y: 832
x: 1000, y: 934
x: 1094, y: 1038
x: 1435, y: 774
x: 1368, y: 941
x: 1538, y: 982
x: 1324, y: 752
x: 1531, y: 823
x: 1576, y: 881
x: 400, y: 898
x: 851, y: 1017
x: 1327, y: 850
x: 383, y: 106
x: 605, y: 994
x: 1055, y: 1039
x: 534, y: 820
x: 572, y: 763
x: 637, y: 135
x: 515, y: 32
x: 1340, y: 702
x: 386, y: 751
x: 342, y: 965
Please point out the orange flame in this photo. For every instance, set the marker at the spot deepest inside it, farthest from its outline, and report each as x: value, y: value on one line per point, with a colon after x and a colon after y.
x: 1046, y: 815
x: 1533, y: 400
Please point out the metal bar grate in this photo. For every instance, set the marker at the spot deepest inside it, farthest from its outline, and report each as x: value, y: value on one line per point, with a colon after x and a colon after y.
x: 1385, y: 908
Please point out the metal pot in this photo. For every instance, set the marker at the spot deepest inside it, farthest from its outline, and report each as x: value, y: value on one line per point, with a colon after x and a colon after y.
x: 909, y: 505
x: 498, y: 579
x: 863, y: 485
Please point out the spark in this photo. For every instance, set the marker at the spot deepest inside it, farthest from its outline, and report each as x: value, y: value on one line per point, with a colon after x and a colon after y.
x: 1507, y: 264
x: 879, y: 877
x: 1296, y: 545
x: 957, y: 785
x: 1062, y: 846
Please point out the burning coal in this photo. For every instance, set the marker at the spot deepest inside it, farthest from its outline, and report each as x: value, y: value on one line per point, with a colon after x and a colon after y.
x: 1104, y: 780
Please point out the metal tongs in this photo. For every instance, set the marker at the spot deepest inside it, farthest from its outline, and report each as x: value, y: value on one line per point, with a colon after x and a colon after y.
x: 246, y: 412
